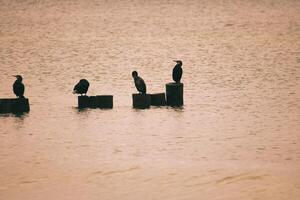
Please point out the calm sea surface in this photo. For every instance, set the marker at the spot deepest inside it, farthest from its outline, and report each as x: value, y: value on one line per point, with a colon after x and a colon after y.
x: 237, y: 136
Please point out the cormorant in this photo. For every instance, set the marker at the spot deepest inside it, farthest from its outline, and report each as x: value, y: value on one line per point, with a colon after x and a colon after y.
x: 177, y: 71
x: 139, y: 83
x: 19, y: 87
x: 81, y: 87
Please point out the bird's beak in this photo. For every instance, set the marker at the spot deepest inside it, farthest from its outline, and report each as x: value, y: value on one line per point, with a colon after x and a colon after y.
x: 175, y: 61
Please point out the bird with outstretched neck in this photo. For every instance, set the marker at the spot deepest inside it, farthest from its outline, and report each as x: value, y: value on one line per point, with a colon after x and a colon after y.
x: 139, y: 83
x: 18, y: 87
x: 177, y: 71
x: 81, y: 87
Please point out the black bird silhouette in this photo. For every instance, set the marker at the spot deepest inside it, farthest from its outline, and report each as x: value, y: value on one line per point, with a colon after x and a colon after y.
x: 139, y: 83
x: 81, y: 87
x: 19, y: 87
x: 177, y: 71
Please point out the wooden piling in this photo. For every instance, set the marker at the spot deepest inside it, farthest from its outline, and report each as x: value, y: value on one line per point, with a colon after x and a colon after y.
x: 174, y: 93
x: 141, y: 100
x: 94, y: 102
x: 83, y: 102
x: 99, y: 101
x: 158, y: 99
x: 16, y: 105
x: 105, y: 101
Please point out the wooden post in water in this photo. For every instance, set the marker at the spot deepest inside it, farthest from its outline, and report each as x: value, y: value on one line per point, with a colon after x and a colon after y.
x: 105, y: 101
x: 174, y: 93
x: 18, y: 105
x: 93, y: 102
x: 83, y: 102
x: 158, y: 99
x: 141, y: 100
x: 99, y: 101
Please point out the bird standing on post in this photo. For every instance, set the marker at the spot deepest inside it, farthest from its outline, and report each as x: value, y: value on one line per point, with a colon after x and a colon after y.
x: 177, y: 71
x: 81, y: 87
x: 18, y: 87
x: 139, y: 83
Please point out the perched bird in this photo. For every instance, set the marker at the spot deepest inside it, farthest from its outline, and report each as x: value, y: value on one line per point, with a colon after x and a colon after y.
x: 81, y: 87
x: 139, y: 83
x: 19, y: 87
x: 177, y: 71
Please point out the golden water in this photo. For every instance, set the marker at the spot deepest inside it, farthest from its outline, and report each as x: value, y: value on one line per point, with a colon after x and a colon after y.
x: 237, y: 136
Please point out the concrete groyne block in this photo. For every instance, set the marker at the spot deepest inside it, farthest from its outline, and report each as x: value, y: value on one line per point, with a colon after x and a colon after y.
x: 141, y: 100
x: 14, y: 105
x: 158, y: 99
x: 174, y: 93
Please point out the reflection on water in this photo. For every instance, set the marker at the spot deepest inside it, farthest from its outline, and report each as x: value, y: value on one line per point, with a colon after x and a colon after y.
x: 237, y: 137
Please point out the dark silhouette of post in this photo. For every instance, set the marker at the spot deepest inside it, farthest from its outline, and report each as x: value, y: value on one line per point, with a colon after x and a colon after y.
x: 158, y: 99
x: 83, y: 102
x: 174, y: 93
x: 141, y: 101
x: 93, y: 102
x: 18, y: 105
x: 105, y: 101
x: 99, y: 101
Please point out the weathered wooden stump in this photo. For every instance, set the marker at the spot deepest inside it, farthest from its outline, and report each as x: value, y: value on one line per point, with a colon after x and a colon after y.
x: 141, y: 100
x: 174, y: 93
x: 105, y: 101
x: 83, y: 101
x: 158, y: 99
x: 94, y: 102
x: 99, y: 101
x: 18, y: 105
